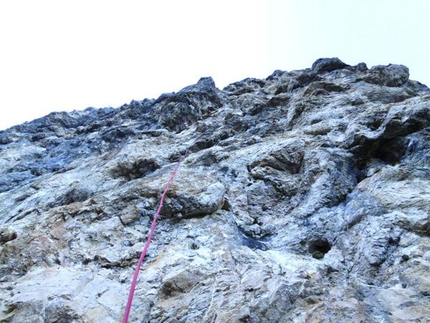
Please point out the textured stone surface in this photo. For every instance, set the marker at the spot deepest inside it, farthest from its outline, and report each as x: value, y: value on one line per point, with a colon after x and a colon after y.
x: 304, y: 197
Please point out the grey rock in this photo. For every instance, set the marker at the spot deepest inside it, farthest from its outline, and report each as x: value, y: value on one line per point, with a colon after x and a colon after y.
x: 303, y: 197
x: 328, y: 64
x: 392, y: 75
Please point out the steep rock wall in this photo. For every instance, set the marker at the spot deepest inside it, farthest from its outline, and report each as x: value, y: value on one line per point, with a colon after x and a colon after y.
x: 304, y: 197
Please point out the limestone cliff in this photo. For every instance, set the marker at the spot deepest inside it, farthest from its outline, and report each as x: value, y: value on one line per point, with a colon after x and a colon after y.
x: 304, y: 197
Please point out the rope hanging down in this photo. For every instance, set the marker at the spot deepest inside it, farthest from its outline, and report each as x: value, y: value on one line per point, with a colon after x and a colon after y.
x: 148, y: 242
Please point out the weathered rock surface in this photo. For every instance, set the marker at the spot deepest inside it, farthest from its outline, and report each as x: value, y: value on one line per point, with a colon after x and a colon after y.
x: 304, y: 197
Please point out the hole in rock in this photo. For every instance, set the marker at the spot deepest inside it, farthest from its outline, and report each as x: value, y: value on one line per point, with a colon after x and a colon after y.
x: 391, y: 151
x: 319, y: 247
x: 194, y: 246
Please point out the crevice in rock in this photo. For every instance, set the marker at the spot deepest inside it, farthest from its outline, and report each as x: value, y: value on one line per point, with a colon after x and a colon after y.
x: 253, y: 243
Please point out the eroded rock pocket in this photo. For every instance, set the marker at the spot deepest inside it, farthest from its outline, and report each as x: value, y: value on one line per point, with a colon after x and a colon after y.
x: 319, y: 247
x: 133, y: 169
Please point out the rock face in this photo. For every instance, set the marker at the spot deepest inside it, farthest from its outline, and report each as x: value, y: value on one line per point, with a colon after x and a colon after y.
x: 304, y: 197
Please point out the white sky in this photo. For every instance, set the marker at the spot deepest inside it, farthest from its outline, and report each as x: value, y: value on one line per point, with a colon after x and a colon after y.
x: 65, y: 55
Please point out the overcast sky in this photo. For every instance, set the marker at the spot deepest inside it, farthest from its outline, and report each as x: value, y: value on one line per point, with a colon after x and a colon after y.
x: 69, y: 55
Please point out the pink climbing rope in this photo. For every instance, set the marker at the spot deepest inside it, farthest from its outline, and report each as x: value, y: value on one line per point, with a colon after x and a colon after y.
x: 148, y: 242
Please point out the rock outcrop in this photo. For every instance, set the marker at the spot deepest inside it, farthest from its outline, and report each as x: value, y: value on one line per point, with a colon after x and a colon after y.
x: 304, y: 197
